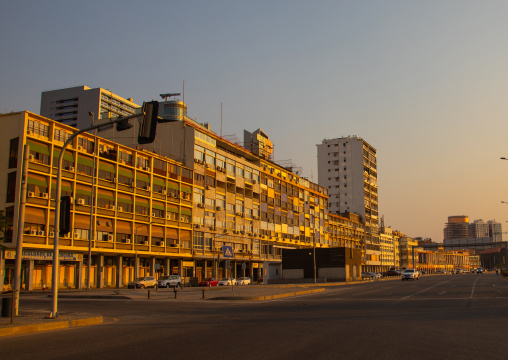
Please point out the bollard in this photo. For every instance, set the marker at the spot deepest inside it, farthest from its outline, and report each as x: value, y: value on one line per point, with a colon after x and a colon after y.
x: 203, y: 293
x: 175, y: 291
x: 149, y: 294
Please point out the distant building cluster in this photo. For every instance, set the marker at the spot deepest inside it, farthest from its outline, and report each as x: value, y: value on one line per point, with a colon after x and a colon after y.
x: 173, y: 206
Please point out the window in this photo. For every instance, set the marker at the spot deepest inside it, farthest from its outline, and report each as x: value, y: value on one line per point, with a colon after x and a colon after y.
x: 199, y: 196
x: 13, y: 153
x: 124, y: 157
x: 37, y: 128
x: 199, y: 153
x: 11, y: 187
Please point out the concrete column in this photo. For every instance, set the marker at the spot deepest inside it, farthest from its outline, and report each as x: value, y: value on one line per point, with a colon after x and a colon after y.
x: 29, y: 275
x: 167, y: 266
x: 100, y: 271
x: 2, y: 270
x: 79, y: 275
x: 180, y: 267
x: 119, y: 271
x: 152, y: 266
x: 136, y: 267
x: 205, y: 268
x: 251, y: 271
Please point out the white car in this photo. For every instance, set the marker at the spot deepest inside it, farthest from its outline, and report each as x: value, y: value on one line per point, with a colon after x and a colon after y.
x: 227, y: 281
x: 170, y: 281
x: 243, y: 281
x: 142, y: 282
x: 410, y: 274
x: 375, y: 275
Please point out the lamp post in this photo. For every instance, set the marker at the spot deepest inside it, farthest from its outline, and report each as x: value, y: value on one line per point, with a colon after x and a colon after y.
x: 136, y: 248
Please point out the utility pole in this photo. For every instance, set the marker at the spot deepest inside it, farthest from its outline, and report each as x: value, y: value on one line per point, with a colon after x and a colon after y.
x: 21, y: 221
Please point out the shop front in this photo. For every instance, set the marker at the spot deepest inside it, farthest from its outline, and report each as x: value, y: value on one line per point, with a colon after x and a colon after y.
x: 37, y: 268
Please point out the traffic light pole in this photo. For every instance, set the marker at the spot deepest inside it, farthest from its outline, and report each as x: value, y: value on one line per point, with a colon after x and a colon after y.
x: 56, y: 260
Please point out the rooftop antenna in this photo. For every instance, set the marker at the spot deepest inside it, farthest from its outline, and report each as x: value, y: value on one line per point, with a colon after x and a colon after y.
x: 168, y: 95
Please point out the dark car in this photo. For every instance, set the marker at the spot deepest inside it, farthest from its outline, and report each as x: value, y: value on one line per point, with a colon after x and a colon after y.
x: 392, y: 273
x: 208, y: 282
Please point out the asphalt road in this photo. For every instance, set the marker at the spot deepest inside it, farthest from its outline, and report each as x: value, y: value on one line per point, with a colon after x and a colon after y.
x: 436, y: 317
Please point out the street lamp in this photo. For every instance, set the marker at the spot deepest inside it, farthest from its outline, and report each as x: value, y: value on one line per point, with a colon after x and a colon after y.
x: 136, y: 248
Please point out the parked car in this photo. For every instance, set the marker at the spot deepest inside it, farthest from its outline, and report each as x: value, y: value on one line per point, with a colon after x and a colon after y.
x: 366, y: 275
x: 227, y: 281
x: 410, y: 274
x: 170, y: 281
x: 392, y: 273
x: 375, y: 275
x: 208, y: 282
x: 243, y: 281
x: 142, y: 282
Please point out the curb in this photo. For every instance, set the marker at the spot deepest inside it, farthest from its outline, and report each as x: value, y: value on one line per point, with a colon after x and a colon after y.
x: 269, y: 297
x: 25, y: 329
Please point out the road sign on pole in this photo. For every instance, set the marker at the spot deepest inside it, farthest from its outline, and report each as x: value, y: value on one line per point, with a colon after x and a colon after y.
x: 227, y: 251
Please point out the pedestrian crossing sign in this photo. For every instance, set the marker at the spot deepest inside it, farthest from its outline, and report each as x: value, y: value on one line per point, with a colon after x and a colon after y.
x: 227, y: 251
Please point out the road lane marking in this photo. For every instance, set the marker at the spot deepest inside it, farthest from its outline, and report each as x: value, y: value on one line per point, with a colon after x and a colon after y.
x: 472, y: 290
x: 406, y: 297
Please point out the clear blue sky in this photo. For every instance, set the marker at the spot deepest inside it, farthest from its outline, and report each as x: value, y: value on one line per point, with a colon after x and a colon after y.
x: 425, y: 82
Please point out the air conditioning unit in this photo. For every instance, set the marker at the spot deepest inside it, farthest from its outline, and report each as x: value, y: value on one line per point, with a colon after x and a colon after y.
x: 159, y: 243
x: 168, y: 216
x: 114, y: 180
x: 127, y: 241
x: 110, y: 237
x: 250, y: 234
x: 201, y: 205
x: 196, y: 160
x: 212, y: 228
x: 163, y: 192
x: 30, y: 194
x: 71, y: 168
x: 111, y: 207
x: 31, y: 157
x: 76, y: 235
x: 218, y: 208
x: 44, y: 195
x: 153, y: 214
x: 254, y: 181
x: 256, y: 217
x: 80, y: 148
x: 243, y: 232
x: 52, y: 234
x: 207, y: 187
x: 80, y: 201
x: 196, y: 226
x: 219, y: 168
x: 33, y: 232
x: 235, y: 231
x: 121, y: 161
x: 40, y: 232
x: 120, y: 208
x: 148, y: 188
x: 144, y: 242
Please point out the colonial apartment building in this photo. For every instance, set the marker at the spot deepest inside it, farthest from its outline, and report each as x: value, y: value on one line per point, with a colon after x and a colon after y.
x: 152, y: 214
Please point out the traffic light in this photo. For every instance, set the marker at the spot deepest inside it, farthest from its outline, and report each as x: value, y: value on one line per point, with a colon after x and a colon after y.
x: 148, y: 126
x: 65, y: 215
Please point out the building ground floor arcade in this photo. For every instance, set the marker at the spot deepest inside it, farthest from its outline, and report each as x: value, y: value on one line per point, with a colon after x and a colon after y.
x: 117, y: 270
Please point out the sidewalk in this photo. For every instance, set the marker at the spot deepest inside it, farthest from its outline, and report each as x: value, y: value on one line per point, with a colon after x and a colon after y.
x: 37, y: 321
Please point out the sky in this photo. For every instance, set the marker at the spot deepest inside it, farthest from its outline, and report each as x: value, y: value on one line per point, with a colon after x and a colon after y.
x: 423, y: 82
